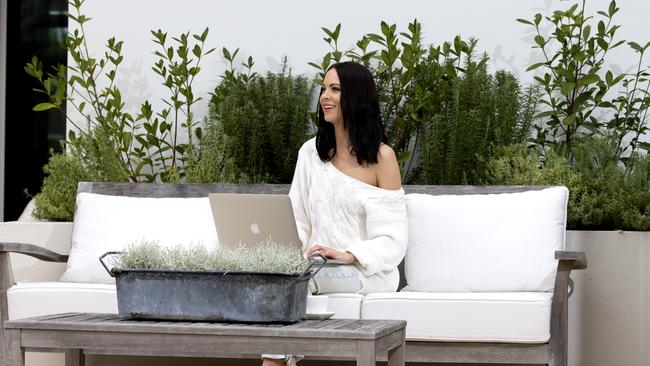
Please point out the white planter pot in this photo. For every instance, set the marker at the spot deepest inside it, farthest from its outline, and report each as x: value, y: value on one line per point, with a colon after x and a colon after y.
x: 609, y: 312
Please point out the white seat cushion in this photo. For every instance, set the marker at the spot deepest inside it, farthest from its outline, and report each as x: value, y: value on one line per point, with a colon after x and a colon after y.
x: 485, y: 242
x: 40, y: 298
x: 345, y: 305
x: 109, y: 223
x: 522, y: 317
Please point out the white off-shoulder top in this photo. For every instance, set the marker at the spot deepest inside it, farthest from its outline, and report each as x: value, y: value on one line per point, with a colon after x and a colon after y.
x: 336, y: 210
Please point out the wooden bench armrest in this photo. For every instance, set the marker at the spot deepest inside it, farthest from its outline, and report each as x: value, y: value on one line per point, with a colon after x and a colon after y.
x: 33, y: 251
x: 558, y: 345
x: 571, y: 260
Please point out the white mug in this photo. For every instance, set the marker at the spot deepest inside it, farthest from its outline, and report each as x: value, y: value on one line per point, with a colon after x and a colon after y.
x: 317, y: 304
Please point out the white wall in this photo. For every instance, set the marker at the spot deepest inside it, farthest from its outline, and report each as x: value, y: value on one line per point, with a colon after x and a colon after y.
x: 608, y: 312
x: 269, y: 30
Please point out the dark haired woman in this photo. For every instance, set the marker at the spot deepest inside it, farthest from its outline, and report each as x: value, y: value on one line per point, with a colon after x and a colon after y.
x: 346, y: 191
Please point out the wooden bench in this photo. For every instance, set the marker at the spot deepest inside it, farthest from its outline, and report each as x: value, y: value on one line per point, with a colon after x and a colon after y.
x: 554, y: 352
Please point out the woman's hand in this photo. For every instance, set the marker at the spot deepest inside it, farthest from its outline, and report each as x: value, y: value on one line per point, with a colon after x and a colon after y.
x: 330, y: 253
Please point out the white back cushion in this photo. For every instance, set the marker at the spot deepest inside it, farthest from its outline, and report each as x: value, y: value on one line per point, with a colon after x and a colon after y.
x: 491, y: 242
x: 105, y: 223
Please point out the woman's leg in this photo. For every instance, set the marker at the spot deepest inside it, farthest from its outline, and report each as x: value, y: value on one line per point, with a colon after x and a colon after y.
x: 286, y: 360
x: 336, y: 278
x: 339, y: 278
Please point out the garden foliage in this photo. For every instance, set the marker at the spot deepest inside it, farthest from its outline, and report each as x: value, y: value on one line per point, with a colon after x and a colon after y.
x: 581, y: 97
x: 589, y: 130
x: 449, y: 119
x: 256, y: 126
x: 444, y: 112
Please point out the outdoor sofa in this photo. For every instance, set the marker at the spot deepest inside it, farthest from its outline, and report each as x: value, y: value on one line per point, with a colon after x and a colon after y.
x: 485, y: 277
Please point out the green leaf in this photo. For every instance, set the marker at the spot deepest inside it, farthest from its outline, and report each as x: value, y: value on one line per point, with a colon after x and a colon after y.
x: 314, y: 65
x: 524, y: 21
x: 327, y: 31
x: 336, y: 33
x: 616, y: 44
x: 403, y: 156
x: 545, y: 114
x: 586, y: 32
x: 612, y: 8
x: 43, y: 107
x: 601, y: 28
x: 569, y: 120
x: 635, y: 46
x: 588, y: 79
x: 226, y: 54
x: 126, y: 139
x: 567, y: 88
x: 540, y: 40
x: 534, y: 66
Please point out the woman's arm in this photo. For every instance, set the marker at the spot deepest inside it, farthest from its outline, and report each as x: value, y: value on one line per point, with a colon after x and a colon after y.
x: 299, y: 194
x: 387, y: 228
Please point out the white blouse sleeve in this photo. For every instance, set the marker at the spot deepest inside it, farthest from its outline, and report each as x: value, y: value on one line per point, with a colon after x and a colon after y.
x: 387, y: 228
x: 299, y: 195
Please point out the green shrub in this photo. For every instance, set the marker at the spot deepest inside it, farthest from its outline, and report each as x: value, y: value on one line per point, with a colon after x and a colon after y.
x: 482, y: 112
x: 617, y: 195
x: 87, y: 158
x: 582, y: 97
x: 255, y: 128
x: 518, y: 165
x: 56, y: 201
x: 604, y: 193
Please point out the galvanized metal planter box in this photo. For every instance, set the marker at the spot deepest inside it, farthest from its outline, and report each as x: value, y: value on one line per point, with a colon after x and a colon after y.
x: 211, y: 295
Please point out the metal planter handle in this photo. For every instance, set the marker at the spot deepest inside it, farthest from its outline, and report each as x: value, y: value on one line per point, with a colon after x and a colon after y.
x: 312, y: 263
x: 101, y: 260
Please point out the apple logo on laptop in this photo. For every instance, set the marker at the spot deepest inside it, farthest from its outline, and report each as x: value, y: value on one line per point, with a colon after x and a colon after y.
x: 255, y: 229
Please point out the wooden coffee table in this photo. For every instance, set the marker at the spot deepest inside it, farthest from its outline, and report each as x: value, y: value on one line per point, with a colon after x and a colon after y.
x: 81, y: 333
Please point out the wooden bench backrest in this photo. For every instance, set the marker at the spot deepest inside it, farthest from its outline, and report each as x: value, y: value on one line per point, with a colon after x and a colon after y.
x: 202, y: 190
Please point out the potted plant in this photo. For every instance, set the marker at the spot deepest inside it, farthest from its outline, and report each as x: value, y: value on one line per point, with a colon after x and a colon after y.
x: 265, y: 283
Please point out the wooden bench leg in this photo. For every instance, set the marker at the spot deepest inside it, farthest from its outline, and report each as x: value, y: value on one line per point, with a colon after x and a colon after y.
x: 74, y: 357
x: 396, y: 355
x: 366, y: 355
x: 14, y: 353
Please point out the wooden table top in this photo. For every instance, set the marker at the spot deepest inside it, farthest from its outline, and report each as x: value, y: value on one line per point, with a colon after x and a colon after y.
x: 333, y: 328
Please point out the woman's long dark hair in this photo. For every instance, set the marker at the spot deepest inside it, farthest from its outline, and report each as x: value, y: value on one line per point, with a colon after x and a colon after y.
x: 361, y: 116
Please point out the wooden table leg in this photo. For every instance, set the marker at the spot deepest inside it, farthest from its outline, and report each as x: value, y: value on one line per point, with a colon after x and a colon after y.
x: 15, y: 354
x: 74, y: 357
x: 366, y: 355
x: 396, y: 355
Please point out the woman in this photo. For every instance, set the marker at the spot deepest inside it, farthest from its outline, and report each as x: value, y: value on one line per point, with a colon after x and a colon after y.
x: 346, y: 191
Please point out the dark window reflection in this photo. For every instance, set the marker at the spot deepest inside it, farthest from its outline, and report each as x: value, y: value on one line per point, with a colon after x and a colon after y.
x: 34, y: 27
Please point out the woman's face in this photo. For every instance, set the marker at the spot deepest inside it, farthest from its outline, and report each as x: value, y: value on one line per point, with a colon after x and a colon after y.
x: 330, y: 98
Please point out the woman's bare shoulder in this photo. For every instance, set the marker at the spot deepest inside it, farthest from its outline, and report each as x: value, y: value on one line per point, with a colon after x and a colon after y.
x: 387, y: 169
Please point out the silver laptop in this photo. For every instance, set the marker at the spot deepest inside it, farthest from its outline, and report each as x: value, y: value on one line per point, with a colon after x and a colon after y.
x: 252, y: 219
